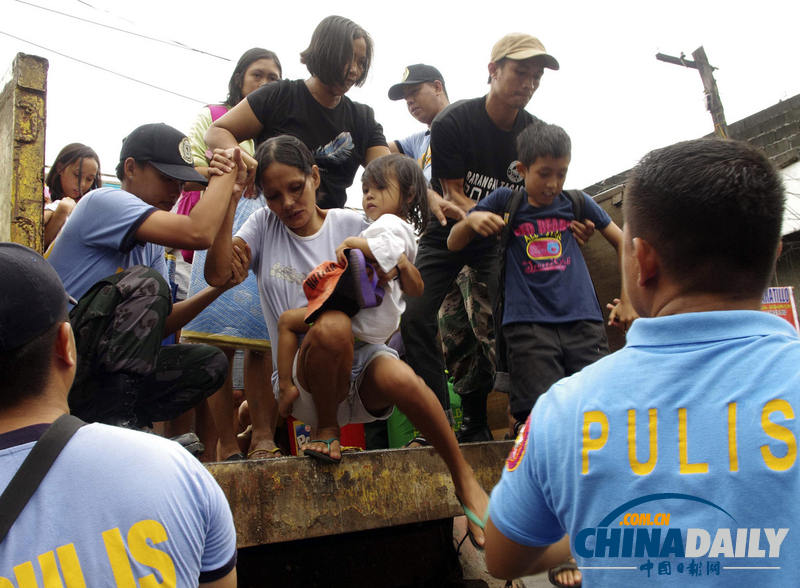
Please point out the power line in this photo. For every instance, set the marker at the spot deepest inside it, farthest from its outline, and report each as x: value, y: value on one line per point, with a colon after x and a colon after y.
x: 107, y: 70
x: 171, y: 43
x: 104, y: 10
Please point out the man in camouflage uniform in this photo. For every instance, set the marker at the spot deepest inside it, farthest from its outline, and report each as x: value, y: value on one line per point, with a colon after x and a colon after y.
x: 110, y: 256
x: 466, y: 328
x: 465, y: 320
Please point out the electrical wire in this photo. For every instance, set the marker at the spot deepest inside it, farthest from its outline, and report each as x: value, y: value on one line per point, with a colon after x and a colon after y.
x: 107, y: 70
x: 99, y: 24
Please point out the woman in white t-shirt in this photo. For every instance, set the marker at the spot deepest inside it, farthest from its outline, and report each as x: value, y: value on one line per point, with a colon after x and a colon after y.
x: 289, y: 239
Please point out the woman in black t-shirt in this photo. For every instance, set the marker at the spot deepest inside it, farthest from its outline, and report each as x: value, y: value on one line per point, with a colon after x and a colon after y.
x: 341, y: 134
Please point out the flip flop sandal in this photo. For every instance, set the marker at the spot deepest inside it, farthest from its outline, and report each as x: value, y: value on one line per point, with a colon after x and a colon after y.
x: 568, y: 564
x: 472, y: 517
x: 318, y: 454
x: 420, y: 440
x: 236, y: 457
x: 265, y: 454
x: 366, y: 289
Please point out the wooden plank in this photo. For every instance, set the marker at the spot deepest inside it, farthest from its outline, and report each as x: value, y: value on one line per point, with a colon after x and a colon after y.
x: 293, y: 498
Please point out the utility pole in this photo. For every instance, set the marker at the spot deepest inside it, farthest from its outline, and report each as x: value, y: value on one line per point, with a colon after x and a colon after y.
x: 713, y: 102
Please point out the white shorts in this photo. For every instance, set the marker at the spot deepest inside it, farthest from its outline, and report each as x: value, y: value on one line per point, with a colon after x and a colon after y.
x: 350, y: 410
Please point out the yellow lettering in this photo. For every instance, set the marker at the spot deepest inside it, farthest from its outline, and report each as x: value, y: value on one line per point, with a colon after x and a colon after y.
x: 118, y: 558
x: 683, y: 446
x: 639, y: 468
x: 149, y: 556
x: 50, y: 575
x: 6, y: 583
x: 733, y: 452
x: 26, y: 578
x: 70, y: 566
x: 779, y: 464
x: 589, y: 444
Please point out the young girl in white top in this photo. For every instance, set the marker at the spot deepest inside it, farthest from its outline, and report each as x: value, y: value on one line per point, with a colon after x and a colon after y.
x: 395, y: 200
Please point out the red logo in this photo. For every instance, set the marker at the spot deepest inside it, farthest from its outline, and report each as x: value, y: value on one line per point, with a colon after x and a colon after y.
x: 520, y: 445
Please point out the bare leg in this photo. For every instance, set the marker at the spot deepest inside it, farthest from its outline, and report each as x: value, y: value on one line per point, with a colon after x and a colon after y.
x: 222, y: 411
x: 261, y: 403
x: 180, y: 425
x: 389, y: 381
x: 323, y: 368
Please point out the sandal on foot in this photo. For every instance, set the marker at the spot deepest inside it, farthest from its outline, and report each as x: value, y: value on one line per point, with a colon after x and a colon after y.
x: 265, y: 453
x: 569, y: 564
x: 472, y: 517
x: 236, y: 457
x: 420, y: 440
x: 322, y: 456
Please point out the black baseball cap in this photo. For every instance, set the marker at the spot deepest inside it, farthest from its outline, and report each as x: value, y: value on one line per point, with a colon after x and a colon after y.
x: 415, y: 74
x: 165, y: 148
x: 32, y: 297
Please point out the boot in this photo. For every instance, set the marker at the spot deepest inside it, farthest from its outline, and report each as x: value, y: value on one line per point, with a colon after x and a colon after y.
x: 473, y: 425
x: 115, y: 401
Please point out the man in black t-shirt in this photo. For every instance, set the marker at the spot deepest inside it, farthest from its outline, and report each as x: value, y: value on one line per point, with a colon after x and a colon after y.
x: 473, y: 148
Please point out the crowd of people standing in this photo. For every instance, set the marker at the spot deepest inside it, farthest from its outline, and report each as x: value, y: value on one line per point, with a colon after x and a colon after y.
x: 469, y: 240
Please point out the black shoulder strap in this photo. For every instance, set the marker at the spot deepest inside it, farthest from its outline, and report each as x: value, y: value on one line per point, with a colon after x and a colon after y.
x: 34, y: 469
x: 508, y: 216
x: 578, y: 204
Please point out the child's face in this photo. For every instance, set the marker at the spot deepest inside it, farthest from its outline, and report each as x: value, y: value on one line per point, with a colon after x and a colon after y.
x: 544, y: 179
x: 260, y: 72
x: 380, y: 200
x: 77, y: 179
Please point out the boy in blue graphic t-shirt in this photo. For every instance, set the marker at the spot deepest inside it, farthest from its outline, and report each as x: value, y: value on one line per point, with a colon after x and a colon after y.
x: 552, y: 323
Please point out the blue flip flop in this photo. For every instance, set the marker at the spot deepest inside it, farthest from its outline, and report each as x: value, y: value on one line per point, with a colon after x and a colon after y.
x: 472, y: 517
x: 323, y: 456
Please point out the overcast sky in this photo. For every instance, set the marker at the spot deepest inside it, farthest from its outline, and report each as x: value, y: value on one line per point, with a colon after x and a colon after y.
x: 611, y: 95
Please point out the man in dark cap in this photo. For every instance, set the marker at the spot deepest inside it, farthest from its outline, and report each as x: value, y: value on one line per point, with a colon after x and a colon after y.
x: 110, y: 255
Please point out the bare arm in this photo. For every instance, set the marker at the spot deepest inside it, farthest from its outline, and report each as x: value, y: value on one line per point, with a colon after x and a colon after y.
x: 442, y: 209
x: 410, y: 279
x: 237, y: 125
x: 508, y: 559
x: 623, y: 314
x: 196, y: 231
x: 453, y: 191
x: 393, y: 147
x: 183, y: 312
x: 54, y: 220
x: 374, y: 153
x: 359, y: 243
x: 481, y: 223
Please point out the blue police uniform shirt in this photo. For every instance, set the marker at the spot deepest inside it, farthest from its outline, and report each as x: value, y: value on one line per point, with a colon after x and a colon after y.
x: 98, y: 240
x: 699, y: 407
